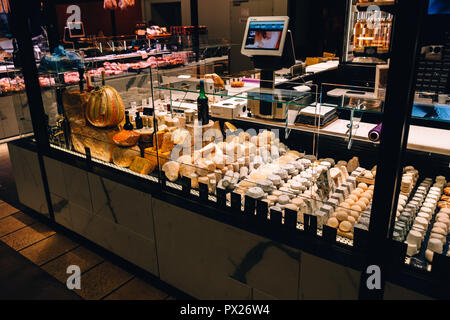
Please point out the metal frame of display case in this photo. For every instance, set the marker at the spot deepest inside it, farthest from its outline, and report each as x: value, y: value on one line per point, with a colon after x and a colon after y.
x: 373, y: 247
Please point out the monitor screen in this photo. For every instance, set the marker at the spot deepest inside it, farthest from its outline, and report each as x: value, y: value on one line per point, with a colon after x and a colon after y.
x: 439, y: 7
x: 264, y: 35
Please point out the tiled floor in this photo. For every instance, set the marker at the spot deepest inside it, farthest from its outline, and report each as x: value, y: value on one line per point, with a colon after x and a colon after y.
x: 53, y: 253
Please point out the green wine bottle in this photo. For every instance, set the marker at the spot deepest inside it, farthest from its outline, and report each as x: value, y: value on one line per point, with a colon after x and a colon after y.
x: 128, y: 125
x: 202, y: 105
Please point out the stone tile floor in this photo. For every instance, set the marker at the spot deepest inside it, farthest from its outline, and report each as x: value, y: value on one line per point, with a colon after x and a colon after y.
x: 53, y: 253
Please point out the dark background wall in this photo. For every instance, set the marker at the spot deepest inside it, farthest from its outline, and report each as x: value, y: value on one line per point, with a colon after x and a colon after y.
x: 317, y: 26
x: 166, y: 14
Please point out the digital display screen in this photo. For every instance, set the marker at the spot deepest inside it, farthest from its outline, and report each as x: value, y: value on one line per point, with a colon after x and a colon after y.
x: 439, y: 7
x: 264, y: 35
x: 76, y: 29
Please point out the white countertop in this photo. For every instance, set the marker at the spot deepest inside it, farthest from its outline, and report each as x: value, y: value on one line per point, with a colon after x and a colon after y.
x: 323, y: 66
x: 429, y: 140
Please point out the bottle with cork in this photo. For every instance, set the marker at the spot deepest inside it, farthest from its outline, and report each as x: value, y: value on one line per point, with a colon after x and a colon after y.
x: 202, y: 105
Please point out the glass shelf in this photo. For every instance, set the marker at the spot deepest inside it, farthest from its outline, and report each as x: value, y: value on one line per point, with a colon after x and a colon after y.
x: 290, y: 97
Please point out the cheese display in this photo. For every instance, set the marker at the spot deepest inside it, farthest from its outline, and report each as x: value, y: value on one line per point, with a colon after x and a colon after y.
x: 420, y: 223
x: 257, y: 165
x: 349, y: 206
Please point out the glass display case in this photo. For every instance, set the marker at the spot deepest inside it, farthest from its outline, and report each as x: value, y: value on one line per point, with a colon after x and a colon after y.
x: 422, y: 213
x: 312, y: 157
x: 15, y: 119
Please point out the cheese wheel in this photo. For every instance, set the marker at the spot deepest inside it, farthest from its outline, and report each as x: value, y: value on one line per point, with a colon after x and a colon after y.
x: 344, y: 205
x: 441, y: 237
x: 333, y: 222
x: 441, y: 225
x: 359, y: 190
x: 367, y: 194
x: 277, y: 193
x: 291, y: 207
x: 297, y: 201
x: 351, y: 219
x: 438, y: 230
x: 350, y: 201
x: 171, y: 170
x: 447, y: 191
x: 363, y: 186
x: 361, y: 204
x: 354, y: 214
x: 341, y: 215
x: 443, y: 204
x: 365, y: 200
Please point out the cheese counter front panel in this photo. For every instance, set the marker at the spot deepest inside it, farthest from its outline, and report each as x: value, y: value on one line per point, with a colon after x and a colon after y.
x: 166, y: 146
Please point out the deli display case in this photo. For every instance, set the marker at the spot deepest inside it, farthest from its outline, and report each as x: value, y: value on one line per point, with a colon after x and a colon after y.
x: 177, y: 166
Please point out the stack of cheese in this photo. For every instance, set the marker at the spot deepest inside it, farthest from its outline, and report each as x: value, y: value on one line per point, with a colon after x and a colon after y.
x: 418, y: 212
x: 409, y: 180
x: 350, y: 210
x: 445, y: 198
x: 236, y: 158
x: 425, y: 216
x: 441, y: 226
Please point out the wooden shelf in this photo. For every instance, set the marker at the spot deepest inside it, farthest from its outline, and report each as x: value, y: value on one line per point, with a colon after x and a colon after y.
x: 375, y: 3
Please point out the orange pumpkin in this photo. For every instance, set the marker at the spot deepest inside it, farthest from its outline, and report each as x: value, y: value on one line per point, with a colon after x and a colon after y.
x: 105, y: 107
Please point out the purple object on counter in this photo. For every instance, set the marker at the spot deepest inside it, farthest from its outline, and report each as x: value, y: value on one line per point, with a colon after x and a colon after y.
x: 375, y: 133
